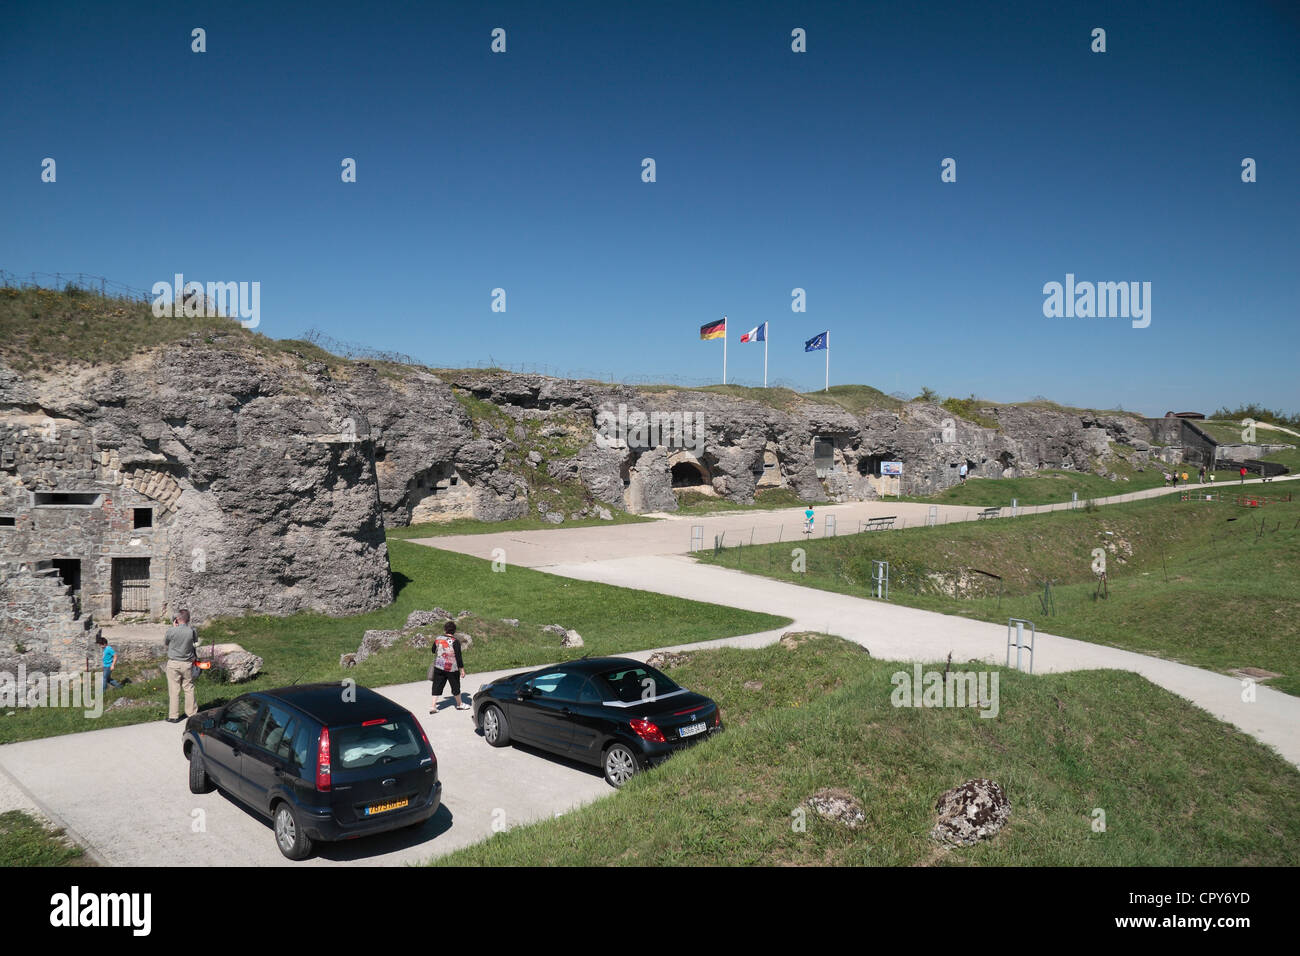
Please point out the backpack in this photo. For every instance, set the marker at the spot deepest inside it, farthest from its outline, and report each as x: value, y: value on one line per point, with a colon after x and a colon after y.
x: 444, y: 653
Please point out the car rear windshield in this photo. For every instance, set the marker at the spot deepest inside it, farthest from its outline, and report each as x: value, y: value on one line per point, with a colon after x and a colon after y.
x: 636, y: 682
x: 370, y: 744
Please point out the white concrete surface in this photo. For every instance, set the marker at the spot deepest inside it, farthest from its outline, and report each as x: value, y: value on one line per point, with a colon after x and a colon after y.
x: 893, y: 632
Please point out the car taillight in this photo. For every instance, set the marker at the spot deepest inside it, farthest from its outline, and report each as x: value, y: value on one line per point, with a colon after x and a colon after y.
x: 425, y: 738
x: 647, y: 731
x: 323, y: 761
x: 717, y: 717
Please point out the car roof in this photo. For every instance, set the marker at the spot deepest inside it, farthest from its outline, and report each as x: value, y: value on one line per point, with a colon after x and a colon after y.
x: 325, y: 703
x: 592, y: 665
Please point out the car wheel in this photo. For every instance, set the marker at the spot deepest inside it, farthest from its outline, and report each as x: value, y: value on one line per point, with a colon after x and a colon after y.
x: 289, y: 835
x: 200, y: 782
x: 620, y: 764
x: 496, y: 730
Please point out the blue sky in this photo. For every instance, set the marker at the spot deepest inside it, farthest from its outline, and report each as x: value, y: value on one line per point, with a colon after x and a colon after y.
x: 775, y: 170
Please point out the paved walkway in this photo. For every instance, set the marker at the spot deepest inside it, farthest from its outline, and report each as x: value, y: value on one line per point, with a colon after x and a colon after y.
x: 655, y: 557
x: 893, y: 632
x: 672, y: 534
x: 123, y: 792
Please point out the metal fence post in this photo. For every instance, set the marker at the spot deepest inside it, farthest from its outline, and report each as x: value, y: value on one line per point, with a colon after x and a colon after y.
x: 1019, y: 639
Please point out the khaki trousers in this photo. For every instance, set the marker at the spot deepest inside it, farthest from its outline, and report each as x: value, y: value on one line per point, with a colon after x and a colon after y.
x: 180, y: 675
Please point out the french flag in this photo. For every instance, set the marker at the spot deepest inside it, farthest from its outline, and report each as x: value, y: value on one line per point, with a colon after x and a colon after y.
x: 758, y: 334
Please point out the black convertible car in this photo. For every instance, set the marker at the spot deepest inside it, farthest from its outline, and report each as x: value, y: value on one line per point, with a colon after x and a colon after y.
x: 611, y: 712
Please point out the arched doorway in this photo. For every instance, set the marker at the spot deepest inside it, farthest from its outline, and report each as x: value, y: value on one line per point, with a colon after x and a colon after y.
x: 688, y: 474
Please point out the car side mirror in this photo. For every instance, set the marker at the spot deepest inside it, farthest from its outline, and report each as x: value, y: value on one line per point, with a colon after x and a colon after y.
x: 524, y: 693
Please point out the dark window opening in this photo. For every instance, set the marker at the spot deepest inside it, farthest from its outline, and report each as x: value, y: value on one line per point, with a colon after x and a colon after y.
x: 69, y: 571
x: 143, y: 517
x: 823, y: 456
x: 687, y: 475
x: 8, y: 521
x: 76, y: 499
x: 454, y: 479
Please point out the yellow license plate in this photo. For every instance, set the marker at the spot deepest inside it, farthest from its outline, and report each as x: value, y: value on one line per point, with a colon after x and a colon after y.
x: 385, y: 807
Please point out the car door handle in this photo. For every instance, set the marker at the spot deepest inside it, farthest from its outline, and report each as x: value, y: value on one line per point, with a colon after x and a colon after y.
x: 235, y: 751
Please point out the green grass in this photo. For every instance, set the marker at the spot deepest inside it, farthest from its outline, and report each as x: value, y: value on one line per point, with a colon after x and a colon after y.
x: 27, y: 841
x: 1178, y: 787
x: 856, y: 399
x: 1289, y: 457
x: 1185, y: 582
x: 1041, y: 488
x: 694, y: 503
x: 307, y: 647
x: 41, y: 326
x: 969, y: 409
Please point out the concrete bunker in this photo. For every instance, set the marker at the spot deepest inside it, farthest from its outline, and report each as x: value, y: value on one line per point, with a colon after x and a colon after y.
x: 440, y: 493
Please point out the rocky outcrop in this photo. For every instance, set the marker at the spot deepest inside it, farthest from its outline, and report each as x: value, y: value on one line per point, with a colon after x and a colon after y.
x: 269, y: 475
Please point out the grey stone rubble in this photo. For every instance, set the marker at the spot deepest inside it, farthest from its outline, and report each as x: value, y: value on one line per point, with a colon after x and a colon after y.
x: 974, y: 811
x: 838, y: 806
x: 667, y: 660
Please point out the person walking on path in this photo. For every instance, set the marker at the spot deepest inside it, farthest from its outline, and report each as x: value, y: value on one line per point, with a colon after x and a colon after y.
x: 962, y: 471
x: 110, y: 659
x: 180, y: 641
x: 448, y: 667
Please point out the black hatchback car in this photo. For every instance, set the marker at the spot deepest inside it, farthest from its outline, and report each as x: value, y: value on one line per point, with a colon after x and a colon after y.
x: 321, y: 761
x: 611, y: 712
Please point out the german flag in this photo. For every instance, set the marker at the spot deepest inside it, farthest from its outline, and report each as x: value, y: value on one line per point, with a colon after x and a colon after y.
x: 714, y: 330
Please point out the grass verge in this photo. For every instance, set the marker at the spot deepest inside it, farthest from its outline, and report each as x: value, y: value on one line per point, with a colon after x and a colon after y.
x: 27, y: 841
x: 1177, y: 787
x: 1210, y: 584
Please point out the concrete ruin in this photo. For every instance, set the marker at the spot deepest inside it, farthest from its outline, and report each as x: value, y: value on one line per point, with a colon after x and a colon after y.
x: 231, y: 479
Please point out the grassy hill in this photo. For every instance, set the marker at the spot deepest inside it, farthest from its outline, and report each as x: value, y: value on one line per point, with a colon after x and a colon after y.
x: 1211, y: 584
x: 1176, y: 786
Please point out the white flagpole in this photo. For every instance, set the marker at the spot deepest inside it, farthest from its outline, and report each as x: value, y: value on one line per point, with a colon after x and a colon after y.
x: 724, y: 350
x: 828, y: 363
x: 765, y: 331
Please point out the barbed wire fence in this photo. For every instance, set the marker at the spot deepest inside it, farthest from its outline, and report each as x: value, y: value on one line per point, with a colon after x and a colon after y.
x: 352, y: 350
x: 109, y: 288
x: 66, y: 281
x: 86, y: 282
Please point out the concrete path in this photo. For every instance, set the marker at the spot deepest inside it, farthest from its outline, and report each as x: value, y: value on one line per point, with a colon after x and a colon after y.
x: 123, y: 792
x: 672, y: 534
x: 894, y: 632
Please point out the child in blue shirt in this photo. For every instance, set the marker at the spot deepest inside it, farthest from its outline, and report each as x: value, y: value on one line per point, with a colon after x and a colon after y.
x: 110, y: 659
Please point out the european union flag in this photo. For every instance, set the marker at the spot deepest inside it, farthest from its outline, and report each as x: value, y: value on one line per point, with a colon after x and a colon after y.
x: 817, y: 342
